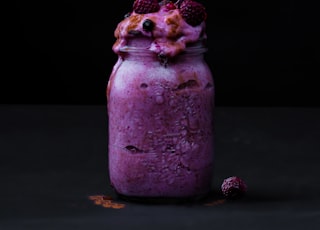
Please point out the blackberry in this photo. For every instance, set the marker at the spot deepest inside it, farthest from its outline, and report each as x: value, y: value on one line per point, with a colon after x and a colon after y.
x: 148, y: 25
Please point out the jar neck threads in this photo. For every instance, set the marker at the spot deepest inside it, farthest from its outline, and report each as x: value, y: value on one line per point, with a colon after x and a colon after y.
x: 195, y: 52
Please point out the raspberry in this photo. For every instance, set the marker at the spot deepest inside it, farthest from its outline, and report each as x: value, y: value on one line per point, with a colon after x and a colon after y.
x: 170, y: 6
x: 233, y: 187
x: 145, y: 6
x: 193, y: 12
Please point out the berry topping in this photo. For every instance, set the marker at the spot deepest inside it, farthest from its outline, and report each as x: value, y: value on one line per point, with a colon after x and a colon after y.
x: 233, y: 187
x: 193, y: 12
x: 148, y: 25
x: 170, y: 6
x: 145, y: 6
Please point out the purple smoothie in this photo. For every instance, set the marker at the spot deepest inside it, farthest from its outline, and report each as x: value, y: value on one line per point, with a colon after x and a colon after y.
x: 160, y: 110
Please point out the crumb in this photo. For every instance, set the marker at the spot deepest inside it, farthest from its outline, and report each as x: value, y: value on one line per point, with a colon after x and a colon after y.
x: 106, y: 201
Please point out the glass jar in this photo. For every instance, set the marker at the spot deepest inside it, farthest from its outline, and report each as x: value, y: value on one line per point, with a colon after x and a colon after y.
x: 160, y: 121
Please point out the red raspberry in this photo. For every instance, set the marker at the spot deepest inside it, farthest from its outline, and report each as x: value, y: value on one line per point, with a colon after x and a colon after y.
x: 233, y: 187
x: 193, y: 12
x: 170, y: 6
x: 145, y: 6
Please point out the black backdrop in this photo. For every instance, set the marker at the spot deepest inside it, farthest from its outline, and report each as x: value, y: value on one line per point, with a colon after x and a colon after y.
x: 262, y: 53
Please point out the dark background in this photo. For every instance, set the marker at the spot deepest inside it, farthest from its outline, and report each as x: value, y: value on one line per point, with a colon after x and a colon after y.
x: 53, y: 157
x: 262, y: 53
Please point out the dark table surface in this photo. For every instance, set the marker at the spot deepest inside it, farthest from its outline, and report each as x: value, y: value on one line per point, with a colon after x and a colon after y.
x: 54, y: 168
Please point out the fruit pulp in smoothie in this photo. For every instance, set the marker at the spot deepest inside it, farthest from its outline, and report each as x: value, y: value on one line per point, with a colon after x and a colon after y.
x: 160, y: 104
x: 160, y: 129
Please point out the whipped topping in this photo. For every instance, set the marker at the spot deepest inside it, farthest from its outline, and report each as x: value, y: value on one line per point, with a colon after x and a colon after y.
x: 169, y: 36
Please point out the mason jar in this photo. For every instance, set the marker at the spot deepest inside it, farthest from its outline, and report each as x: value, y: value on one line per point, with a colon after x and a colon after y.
x: 160, y: 121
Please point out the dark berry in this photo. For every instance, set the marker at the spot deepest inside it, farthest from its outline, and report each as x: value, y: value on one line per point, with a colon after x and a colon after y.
x: 145, y: 6
x: 233, y: 187
x: 193, y: 12
x: 148, y: 25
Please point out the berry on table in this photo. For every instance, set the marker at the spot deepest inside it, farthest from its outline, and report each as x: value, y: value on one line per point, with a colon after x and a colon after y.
x: 233, y: 187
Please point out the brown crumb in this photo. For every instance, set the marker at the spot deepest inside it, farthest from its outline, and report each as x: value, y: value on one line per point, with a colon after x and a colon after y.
x: 215, y: 202
x: 117, y: 205
x: 97, y: 202
x: 106, y: 202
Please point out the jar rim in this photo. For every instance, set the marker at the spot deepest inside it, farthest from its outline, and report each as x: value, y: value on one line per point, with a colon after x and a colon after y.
x: 199, y: 49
